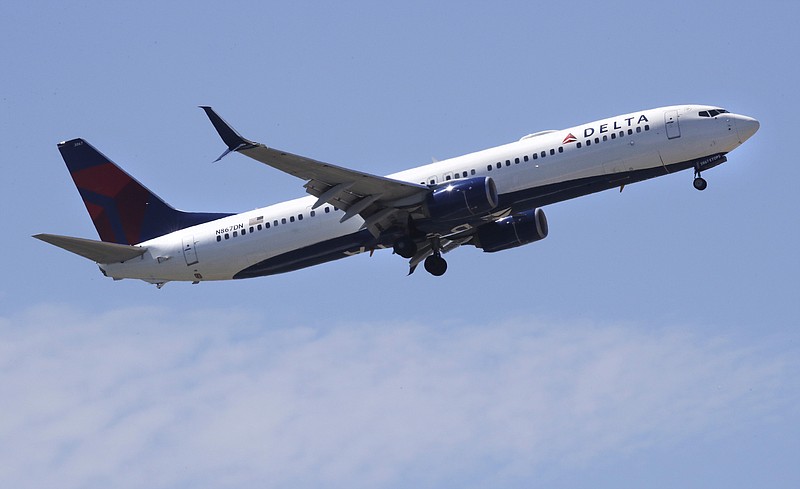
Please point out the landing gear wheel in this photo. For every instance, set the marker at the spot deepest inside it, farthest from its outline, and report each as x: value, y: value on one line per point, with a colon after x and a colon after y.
x: 700, y: 183
x: 405, y: 247
x: 435, y: 265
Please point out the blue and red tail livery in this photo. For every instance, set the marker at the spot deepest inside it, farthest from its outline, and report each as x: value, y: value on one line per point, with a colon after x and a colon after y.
x: 122, y: 209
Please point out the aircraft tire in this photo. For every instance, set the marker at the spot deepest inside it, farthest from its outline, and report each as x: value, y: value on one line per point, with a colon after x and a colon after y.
x: 405, y: 247
x: 435, y: 265
x: 700, y: 183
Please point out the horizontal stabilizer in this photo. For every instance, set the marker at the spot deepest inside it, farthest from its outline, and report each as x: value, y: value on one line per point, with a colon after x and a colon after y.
x: 98, y: 251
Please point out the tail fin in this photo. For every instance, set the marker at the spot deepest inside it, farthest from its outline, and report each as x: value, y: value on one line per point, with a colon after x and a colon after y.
x: 122, y: 209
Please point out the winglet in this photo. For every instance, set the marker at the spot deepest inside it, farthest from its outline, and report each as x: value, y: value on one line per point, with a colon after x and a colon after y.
x: 228, y: 134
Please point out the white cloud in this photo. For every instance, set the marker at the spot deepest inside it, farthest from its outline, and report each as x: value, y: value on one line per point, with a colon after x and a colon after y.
x: 161, y: 398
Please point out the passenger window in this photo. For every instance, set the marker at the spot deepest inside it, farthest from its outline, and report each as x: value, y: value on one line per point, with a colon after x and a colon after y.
x: 219, y: 238
x: 283, y: 220
x: 613, y: 135
x: 605, y: 138
x: 647, y: 127
x: 579, y: 144
x: 596, y: 140
x: 464, y: 174
x: 235, y: 234
x: 313, y: 213
x: 535, y: 156
x: 552, y: 152
x: 299, y: 217
x: 252, y: 229
x: 508, y: 162
x: 543, y: 154
x: 525, y: 158
x: 227, y: 236
x: 275, y: 223
x: 622, y: 134
x: 327, y: 209
x: 244, y: 231
x: 630, y: 131
x: 291, y: 218
x: 560, y: 149
x: 489, y: 167
x: 472, y: 172
x: 499, y: 165
x: 638, y: 129
x: 588, y: 142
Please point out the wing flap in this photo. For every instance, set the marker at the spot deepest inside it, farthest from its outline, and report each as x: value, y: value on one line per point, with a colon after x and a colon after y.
x: 97, y: 251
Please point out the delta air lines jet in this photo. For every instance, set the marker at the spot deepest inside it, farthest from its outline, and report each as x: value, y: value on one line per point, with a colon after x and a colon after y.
x: 491, y: 199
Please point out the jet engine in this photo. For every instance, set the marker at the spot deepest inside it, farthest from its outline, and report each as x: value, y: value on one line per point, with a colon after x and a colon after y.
x: 462, y: 199
x: 512, y: 231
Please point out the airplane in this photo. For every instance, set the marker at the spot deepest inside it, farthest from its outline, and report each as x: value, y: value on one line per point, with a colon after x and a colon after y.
x: 490, y: 199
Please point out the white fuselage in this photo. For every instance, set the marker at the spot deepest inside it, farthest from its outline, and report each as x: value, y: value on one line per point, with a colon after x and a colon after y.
x: 642, y: 140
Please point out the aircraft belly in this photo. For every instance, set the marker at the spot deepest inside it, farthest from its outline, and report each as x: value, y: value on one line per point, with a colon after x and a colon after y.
x: 294, y: 258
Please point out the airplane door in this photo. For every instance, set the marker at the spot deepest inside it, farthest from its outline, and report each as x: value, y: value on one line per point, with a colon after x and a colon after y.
x: 671, y: 123
x: 189, y: 251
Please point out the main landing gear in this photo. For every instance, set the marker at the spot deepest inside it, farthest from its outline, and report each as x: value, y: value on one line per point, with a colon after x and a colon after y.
x: 405, y: 247
x: 699, y: 182
x: 435, y: 264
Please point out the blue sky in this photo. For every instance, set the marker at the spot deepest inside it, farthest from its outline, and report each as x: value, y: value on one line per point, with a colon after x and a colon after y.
x: 650, y: 340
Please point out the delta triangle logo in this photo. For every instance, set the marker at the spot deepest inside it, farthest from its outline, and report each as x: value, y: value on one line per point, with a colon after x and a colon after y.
x: 569, y: 139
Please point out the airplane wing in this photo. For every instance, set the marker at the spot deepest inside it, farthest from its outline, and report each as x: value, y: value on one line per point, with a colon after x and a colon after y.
x: 380, y: 201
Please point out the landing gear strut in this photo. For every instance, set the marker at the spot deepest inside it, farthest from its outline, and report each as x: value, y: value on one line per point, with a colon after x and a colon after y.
x: 435, y: 264
x: 699, y: 182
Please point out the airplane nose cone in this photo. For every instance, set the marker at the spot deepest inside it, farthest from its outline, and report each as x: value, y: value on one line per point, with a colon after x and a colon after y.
x: 746, y: 127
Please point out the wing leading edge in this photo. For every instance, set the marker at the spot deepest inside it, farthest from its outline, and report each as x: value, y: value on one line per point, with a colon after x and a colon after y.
x: 380, y: 201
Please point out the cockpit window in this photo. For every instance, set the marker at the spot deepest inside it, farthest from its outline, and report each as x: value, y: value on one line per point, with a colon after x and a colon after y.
x: 712, y: 113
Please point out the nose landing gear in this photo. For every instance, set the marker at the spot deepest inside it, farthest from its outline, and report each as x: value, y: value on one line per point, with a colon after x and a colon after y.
x: 699, y: 182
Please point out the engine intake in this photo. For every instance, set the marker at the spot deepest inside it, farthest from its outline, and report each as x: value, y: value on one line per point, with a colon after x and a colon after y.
x: 512, y: 231
x: 462, y: 199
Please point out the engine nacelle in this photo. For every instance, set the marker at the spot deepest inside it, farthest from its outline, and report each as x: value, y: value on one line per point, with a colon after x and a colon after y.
x: 462, y: 199
x: 512, y: 231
